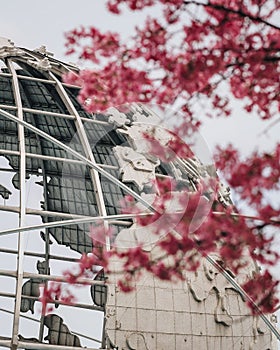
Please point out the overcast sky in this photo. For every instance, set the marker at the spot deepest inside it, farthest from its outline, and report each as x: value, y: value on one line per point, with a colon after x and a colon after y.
x: 32, y: 23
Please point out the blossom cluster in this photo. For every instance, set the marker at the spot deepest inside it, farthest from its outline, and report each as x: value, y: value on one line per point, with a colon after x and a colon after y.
x: 185, y: 57
x: 177, y: 57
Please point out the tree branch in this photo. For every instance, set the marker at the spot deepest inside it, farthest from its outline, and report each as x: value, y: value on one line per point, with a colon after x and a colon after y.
x: 237, y: 12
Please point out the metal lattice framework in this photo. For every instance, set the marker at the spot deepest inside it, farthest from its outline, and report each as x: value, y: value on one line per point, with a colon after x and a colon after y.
x: 39, y: 116
x: 45, y: 133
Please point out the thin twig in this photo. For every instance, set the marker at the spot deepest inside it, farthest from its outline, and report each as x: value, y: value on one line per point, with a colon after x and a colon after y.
x: 230, y: 10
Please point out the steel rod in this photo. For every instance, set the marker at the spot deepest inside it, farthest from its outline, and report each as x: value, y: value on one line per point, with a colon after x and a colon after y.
x: 56, y: 278
x: 12, y: 108
x: 62, y: 115
x: 41, y: 346
x: 71, y: 222
x: 40, y: 255
x: 57, y: 302
x: 22, y: 173
x: 56, y: 159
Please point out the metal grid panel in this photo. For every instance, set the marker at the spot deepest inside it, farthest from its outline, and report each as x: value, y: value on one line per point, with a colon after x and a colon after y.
x: 6, y: 96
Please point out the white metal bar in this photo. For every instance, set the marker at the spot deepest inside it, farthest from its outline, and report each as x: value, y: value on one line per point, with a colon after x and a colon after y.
x: 13, y: 108
x: 40, y: 255
x: 57, y: 302
x: 30, y: 211
x: 9, y: 152
x: 54, y: 114
x: 5, y: 74
x: 41, y: 346
x: 66, y: 160
x: 21, y: 237
x: 72, y: 86
x: 61, y: 115
x: 56, y: 159
x: 61, y: 223
x: 39, y: 80
x: 56, y: 278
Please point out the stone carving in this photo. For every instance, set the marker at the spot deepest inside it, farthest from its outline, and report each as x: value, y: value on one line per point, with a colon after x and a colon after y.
x: 135, y: 167
x: 142, y: 114
x: 136, y: 341
x: 31, y: 288
x: 191, y: 167
x: 134, y: 134
x: 6, y: 43
x: 59, y: 333
x: 116, y: 117
x: 7, y: 48
x: 202, y: 282
x: 43, y: 51
x: 41, y: 65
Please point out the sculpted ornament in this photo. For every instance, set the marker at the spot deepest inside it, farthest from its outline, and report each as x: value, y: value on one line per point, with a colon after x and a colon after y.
x: 135, y: 167
x: 136, y: 341
x: 7, y: 48
x: 206, y: 279
x: 116, y: 117
x: 43, y: 65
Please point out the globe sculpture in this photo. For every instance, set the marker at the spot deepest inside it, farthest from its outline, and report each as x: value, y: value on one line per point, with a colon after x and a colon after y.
x: 62, y: 171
